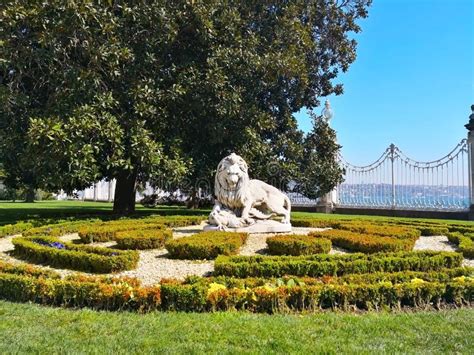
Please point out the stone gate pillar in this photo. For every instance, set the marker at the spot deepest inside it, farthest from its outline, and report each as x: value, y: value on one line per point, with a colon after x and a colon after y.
x: 470, y: 149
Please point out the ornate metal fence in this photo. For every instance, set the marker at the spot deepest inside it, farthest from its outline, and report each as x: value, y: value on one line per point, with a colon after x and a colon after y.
x: 397, y: 181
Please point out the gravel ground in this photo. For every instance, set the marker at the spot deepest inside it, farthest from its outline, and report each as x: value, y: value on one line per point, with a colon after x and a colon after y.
x: 154, y: 264
x: 439, y: 243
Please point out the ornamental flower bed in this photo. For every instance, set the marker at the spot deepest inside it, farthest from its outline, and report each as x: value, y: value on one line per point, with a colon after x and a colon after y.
x: 465, y: 243
x: 200, y: 294
x: 50, y: 251
x: 59, y: 229
x: 206, y: 245
x: 108, y: 232
x: 434, y: 289
x: 143, y: 238
x: 103, y: 232
x: 297, y: 245
x: 332, y: 265
x: 365, y: 243
x: 11, y: 229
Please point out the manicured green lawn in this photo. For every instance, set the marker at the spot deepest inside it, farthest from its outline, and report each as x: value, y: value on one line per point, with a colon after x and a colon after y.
x: 33, y: 329
x: 26, y: 328
x: 11, y: 212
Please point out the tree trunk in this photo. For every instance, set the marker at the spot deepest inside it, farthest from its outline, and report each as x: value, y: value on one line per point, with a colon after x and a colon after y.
x: 125, y: 190
x: 194, y: 199
x: 30, y: 195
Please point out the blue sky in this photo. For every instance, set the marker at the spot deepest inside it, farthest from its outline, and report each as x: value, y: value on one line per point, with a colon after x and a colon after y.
x: 412, y: 82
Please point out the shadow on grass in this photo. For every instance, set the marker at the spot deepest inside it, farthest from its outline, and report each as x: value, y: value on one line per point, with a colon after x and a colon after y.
x: 13, y: 212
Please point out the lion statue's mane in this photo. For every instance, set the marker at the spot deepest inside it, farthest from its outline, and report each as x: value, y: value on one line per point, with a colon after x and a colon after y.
x: 237, y: 196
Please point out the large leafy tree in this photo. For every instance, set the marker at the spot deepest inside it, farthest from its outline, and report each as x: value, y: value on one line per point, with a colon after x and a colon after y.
x: 161, y: 90
x: 320, y: 170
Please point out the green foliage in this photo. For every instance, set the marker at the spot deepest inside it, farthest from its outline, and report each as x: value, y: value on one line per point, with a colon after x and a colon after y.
x: 443, y: 275
x: 395, y: 231
x: 59, y: 229
x: 107, y: 231
x: 11, y: 229
x: 433, y: 230
x: 365, y: 243
x: 75, y: 257
x: 27, y: 270
x: 143, y: 238
x: 320, y: 265
x: 271, y: 284
x: 461, y: 229
x: 464, y: 243
x: 73, y: 293
x: 320, y: 168
x: 188, y: 298
x: 148, y: 91
x: 297, y: 245
x: 270, y: 296
x: 206, y: 245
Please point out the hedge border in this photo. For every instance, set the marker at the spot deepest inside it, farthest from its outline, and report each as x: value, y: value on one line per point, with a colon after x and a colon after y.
x: 175, y: 296
x: 464, y: 243
x: 206, y: 245
x: 332, y: 265
x: 294, y: 244
x: 75, y: 257
x: 142, y: 239
x: 365, y: 243
x: 384, y: 290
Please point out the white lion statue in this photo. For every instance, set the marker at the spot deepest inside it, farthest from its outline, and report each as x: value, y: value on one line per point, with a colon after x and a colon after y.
x: 241, y: 201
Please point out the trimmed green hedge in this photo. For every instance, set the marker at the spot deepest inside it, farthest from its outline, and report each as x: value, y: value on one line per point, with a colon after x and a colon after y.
x: 399, y: 232
x: 461, y: 229
x: 28, y: 270
x: 180, y: 221
x: 317, y: 222
x: 68, y: 293
x: 59, y: 229
x: 443, y: 275
x: 379, y: 291
x: 206, y: 245
x: 143, y: 238
x: 12, y: 229
x: 322, y: 264
x: 292, y: 244
x: 270, y: 299
x: 365, y: 243
x: 379, y: 228
x: 103, y: 232
x: 50, y: 251
x: 464, y: 243
x: 433, y: 230
x: 108, y: 231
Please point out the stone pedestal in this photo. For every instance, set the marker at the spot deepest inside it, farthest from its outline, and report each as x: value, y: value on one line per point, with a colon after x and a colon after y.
x: 265, y: 226
x: 325, y: 204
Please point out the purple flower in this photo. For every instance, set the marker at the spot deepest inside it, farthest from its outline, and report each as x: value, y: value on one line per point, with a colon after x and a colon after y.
x: 57, y: 245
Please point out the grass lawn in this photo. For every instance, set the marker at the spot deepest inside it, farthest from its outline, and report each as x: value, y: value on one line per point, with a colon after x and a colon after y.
x: 11, y: 212
x: 28, y: 328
